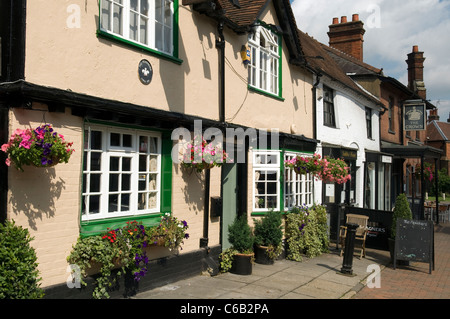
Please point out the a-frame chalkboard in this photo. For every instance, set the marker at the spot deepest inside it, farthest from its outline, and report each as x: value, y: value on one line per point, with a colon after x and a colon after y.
x: 414, y: 241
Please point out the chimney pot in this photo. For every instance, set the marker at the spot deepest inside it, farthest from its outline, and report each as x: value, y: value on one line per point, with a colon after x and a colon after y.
x: 355, y: 17
x: 343, y: 19
x: 335, y: 20
x: 415, y: 48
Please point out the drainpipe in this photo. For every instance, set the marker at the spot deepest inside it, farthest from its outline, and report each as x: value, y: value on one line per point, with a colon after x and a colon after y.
x: 314, y: 89
x: 220, y: 45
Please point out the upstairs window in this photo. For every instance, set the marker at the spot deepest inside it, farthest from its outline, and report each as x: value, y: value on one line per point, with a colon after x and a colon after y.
x: 147, y: 23
x: 264, y: 68
x: 329, y: 118
x: 369, y: 122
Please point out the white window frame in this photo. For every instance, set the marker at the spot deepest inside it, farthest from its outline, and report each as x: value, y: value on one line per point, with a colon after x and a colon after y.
x: 261, y: 167
x: 164, y: 43
x: 151, y: 174
x: 264, y: 67
x: 298, y: 189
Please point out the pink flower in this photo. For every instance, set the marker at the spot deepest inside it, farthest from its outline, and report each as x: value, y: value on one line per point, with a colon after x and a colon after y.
x: 8, y: 162
x: 5, y: 147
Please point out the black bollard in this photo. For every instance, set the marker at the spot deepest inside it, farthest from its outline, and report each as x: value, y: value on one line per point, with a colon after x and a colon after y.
x: 349, y: 249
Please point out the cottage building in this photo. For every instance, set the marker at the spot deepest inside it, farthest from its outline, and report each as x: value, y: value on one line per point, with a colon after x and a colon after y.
x: 118, y: 78
x: 402, y: 150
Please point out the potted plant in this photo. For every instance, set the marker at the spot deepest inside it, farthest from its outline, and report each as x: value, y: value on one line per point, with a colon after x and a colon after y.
x: 241, y: 239
x: 268, y: 238
x: 41, y: 147
x: 403, y: 211
x: 203, y: 155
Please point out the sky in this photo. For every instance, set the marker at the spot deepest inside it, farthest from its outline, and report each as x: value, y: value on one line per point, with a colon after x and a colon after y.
x: 392, y: 27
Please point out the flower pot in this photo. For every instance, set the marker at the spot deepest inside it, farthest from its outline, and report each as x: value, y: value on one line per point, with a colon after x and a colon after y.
x: 261, y: 256
x: 242, y: 264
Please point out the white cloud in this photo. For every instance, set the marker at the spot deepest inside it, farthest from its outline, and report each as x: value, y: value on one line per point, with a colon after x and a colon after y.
x: 392, y: 28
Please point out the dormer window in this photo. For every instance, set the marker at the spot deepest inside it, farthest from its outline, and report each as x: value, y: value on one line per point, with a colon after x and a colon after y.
x: 264, y: 68
x: 145, y: 23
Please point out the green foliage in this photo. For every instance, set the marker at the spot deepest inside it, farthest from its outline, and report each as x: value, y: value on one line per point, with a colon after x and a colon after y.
x: 41, y: 147
x: 443, y: 182
x: 268, y: 232
x: 240, y: 235
x: 401, y: 210
x: 306, y: 232
x: 122, y: 248
x: 19, y: 277
x: 226, y: 259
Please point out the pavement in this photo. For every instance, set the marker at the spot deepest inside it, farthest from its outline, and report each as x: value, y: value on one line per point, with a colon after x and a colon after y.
x: 321, y: 278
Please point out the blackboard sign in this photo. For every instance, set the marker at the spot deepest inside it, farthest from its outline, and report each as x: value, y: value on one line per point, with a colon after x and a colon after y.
x: 414, y: 241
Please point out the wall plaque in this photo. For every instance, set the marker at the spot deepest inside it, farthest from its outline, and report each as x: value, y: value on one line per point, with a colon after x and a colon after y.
x: 145, y: 71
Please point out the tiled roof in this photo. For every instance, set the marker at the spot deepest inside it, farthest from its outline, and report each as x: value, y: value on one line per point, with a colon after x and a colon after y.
x: 246, y: 13
x: 438, y: 131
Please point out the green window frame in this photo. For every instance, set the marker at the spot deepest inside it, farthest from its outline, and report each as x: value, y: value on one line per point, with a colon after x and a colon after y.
x: 149, y: 25
x: 112, y: 161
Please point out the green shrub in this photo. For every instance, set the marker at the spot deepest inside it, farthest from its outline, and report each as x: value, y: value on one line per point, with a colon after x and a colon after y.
x: 19, y: 276
x: 401, y: 210
x: 268, y: 229
x: 306, y: 232
x: 240, y: 235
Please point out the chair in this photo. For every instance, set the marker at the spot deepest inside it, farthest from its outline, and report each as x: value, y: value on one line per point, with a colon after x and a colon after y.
x: 361, y: 233
x: 443, y: 213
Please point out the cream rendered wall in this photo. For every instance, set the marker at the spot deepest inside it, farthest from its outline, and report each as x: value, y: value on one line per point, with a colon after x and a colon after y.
x: 75, y: 58
x: 46, y: 201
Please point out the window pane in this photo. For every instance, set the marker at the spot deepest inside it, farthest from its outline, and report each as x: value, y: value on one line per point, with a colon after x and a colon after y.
x: 143, y: 31
x: 142, y: 201
x: 125, y: 202
x: 126, y: 184
x: 117, y: 19
x: 114, y: 164
x: 106, y: 10
x: 94, y: 204
x: 96, y: 140
x: 115, y: 139
x: 152, y: 182
x: 113, y: 182
x: 142, y: 163
x: 142, y: 182
x: 144, y: 7
x: 143, y: 144
x: 96, y: 161
x: 158, y: 36
x: 113, y: 203
x: 133, y: 26
x: 94, y: 185
x: 127, y: 140
x: 126, y: 164
x: 152, y: 200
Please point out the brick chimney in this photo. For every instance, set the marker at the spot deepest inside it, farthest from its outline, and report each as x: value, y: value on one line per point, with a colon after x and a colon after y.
x: 347, y: 37
x: 433, y: 116
x: 415, y: 72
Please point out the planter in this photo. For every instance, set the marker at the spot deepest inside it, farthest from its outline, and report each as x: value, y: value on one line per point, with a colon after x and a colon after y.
x: 261, y: 256
x: 242, y: 264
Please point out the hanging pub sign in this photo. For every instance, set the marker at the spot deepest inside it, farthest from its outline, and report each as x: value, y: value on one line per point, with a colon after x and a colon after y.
x: 414, y: 113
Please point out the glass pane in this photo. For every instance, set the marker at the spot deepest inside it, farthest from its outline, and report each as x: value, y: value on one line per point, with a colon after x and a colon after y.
x: 143, y: 30
x: 96, y: 161
x: 96, y: 140
x: 158, y: 10
x: 113, y: 182
x: 153, y: 163
x: 114, y: 164
x: 167, y: 14
x: 142, y: 182
x: 153, y: 145
x: 143, y: 144
x: 113, y: 203
x: 115, y: 139
x: 85, y: 159
x: 126, y: 164
x: 158, y: 36
x: 271, y: 202
x: 84, y: 183
x: 142, y: 201
x: 94, y: 185
x: 152, y: 201
x: 142, y: 163
x: 117, y: 19
x: 127, y: 140
x: 125, y: 202
x: 106, y: 9
x: 83, y: 205
x: 94, y: 204
x: 134, y: 5
x: 133, y: 26
x: 152, y: 185
x: 144, y: 7
x: 126, y: 182
x: 167, y: 39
